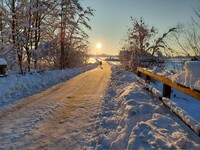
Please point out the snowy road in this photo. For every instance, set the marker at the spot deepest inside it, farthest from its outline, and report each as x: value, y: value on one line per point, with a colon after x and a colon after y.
x: 57, y: 118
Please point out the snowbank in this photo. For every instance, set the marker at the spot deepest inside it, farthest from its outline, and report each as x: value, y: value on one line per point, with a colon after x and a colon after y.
x: 157, y: 70
x: 195, y: 125
x: 190, y: 77
x: 132, y: 118
x: 189, y: 120
x: 14, y: 87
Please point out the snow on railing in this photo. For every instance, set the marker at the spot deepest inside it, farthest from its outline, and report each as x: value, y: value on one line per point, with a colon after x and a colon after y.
x: 167, y: 84
x: 165, y: 96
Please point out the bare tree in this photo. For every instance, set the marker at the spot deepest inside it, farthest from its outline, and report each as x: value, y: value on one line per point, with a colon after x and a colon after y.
x: 143, y: 45
x: 1, y: 20
x: 188, y: 37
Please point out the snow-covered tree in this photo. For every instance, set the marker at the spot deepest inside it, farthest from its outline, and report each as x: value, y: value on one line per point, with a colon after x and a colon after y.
x: 72, y: 17
x: 38, y: 32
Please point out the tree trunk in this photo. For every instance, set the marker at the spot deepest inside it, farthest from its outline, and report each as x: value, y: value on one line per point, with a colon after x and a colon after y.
x: 37, y: 32
x: 1, y: 22
x: 13, y: 21
x: 29, y: 36
x: 62, y: 35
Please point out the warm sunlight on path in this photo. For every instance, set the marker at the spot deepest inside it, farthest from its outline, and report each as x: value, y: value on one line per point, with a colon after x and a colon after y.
x: 58, y: 118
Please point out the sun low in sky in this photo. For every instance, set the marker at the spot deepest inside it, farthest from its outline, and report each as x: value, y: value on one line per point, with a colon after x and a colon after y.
x: 112, y: 17
x: 98, y: 45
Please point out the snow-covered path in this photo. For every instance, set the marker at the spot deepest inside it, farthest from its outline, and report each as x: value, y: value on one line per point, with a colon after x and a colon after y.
x: 82, y: 114
x: 57, y: 118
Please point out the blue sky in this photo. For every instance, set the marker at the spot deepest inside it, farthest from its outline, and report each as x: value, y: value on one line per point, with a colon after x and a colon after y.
x: 109, y: 25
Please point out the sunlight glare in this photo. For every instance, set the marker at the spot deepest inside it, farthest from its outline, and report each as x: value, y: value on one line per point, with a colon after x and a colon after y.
x: 99, y: 46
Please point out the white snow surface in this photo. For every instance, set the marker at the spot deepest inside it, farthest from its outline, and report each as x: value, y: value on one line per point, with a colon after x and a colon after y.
x: 191, y: 108
x: 3, y: 61
x: 190, y: 77
x: 130, y: 116
x: 15, y: 86
x: 195, y: 125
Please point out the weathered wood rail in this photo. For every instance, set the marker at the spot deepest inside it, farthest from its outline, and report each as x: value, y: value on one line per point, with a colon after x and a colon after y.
x: 168, y: 84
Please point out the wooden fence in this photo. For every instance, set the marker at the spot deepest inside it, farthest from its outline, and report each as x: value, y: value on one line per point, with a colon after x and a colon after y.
x: 168, y: 84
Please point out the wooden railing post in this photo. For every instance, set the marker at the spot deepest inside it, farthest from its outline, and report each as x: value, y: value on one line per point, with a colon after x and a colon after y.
x: 166, y: 90
x: 138, y: 73
x: 147, y: 79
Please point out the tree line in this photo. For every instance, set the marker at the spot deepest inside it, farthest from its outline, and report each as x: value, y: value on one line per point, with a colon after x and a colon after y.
x: 44, y: 34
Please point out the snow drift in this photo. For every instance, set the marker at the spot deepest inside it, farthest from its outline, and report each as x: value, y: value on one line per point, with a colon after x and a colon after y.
x: 134, y: 119
x: 190, y: 77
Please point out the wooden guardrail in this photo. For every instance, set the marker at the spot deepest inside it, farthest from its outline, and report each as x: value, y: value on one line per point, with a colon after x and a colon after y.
x: 168, y: 84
